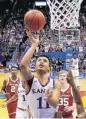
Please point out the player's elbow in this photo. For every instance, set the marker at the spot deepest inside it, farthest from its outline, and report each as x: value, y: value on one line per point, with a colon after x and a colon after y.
x: 3, y: 90
x: 22, y: 65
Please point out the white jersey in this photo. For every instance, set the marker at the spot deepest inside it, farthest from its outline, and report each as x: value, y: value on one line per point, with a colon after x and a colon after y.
x: 21, y: 112
x: 21, y: 97
x: 36, y: 99
x: 75, y: 63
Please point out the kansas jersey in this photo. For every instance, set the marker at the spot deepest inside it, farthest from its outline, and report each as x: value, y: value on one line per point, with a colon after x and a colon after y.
x: 75, y: 63
x: 10, y: 88
x: 21, y: 97
x: 21, y: 112
x: 36, y: 99
x: 66, y: 99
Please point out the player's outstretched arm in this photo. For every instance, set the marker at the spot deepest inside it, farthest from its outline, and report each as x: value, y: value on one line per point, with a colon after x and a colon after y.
x: 12, y: 99
x: 76, y: 94
x: 53, y: 96
x: 25, y: 71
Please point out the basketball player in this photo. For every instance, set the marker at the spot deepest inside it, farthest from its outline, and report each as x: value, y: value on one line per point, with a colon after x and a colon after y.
x: 75, y: 68
x: 8, y: 89
x: 22, y: 109
x: 80, y: 109
x: 42, y: 91
x: 84, y: 68
x: 66, y: 104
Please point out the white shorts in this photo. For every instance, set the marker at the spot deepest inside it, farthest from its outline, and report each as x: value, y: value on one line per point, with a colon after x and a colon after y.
x: 21, y: 114
x: 75, y: 72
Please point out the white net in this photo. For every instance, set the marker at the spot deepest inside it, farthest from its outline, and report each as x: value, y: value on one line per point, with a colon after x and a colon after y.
x: 64, y: 13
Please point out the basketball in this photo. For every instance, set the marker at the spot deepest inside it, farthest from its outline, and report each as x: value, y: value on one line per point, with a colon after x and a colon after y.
x: 34, y: 20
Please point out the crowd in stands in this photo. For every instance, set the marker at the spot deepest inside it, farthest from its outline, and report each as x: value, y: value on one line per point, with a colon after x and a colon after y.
x: 14, y: 33
x: 50, y: 41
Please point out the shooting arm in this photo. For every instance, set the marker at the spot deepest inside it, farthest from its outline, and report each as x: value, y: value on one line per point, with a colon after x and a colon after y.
x: 25, y: 71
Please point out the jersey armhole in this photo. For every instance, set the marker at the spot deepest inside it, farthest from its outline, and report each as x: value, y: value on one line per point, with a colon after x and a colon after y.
x: 29, y: 83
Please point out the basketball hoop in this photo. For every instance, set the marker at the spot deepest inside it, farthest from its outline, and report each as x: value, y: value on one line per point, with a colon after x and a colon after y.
x: 64, y: 13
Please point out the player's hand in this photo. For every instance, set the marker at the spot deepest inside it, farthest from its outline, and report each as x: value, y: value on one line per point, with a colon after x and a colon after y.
x: 6, y: 94
x: 58, y: 114
x: 34, y: 40
x: 70, y: 78
x: 69, y: 108
x: 4, y: 105
x: 48, y: 94
x: 82, y: 115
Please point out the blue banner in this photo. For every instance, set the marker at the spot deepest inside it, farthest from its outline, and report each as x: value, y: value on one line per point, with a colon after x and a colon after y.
x: 69, y: 56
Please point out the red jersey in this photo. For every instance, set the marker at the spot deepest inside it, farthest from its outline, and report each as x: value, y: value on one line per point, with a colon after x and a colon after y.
x: 10, y: 87
x: 66, y: 99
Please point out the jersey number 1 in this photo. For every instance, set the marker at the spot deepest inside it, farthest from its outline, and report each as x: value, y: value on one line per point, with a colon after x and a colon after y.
x: 41, y: 105
x: 23, y: 97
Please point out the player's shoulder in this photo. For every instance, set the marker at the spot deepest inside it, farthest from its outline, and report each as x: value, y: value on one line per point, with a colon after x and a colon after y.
x: 6, y: 79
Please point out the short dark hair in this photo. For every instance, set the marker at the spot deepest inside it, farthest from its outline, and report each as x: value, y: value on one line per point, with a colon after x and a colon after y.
x: 46, y: 57
x: 13, y: 67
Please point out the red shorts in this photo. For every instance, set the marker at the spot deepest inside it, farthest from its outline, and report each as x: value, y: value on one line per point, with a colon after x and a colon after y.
x: 11, y: 107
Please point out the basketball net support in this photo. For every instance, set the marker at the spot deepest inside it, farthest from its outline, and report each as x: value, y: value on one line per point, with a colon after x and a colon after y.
x: 64, y: 13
